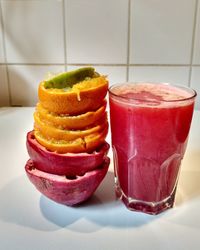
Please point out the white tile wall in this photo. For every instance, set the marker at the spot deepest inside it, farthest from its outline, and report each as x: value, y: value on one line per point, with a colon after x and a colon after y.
x: 161, y: 31
x: 24, y: 80
x: 115, y: 74
x: 96, y: 31
x: 132, y: 40
x: 196, y: 55
x: 33, y: 31
x: 2, y: 58
x: 175, y: 74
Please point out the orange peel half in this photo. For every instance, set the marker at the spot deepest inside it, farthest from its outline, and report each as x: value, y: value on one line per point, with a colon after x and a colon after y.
x: 71, y: 122
x: 84, y: 96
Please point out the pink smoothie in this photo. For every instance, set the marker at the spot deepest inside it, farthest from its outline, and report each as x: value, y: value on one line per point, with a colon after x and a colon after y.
x: 150, y: 125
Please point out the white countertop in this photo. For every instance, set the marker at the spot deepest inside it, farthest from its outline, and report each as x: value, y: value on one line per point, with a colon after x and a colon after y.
x: 29, y: 220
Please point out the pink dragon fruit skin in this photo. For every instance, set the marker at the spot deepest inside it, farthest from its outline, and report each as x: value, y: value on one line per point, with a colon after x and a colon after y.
x: 68, y: 191
x: 64, y: 164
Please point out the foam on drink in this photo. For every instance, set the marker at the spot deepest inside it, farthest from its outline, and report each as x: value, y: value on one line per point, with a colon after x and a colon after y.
x: 152, y: 94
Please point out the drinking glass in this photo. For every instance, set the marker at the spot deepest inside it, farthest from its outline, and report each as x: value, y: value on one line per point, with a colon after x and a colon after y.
x: 150, y: 123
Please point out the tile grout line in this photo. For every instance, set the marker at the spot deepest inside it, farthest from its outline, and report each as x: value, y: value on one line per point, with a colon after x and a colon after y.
x: 128, y: 40
x: 64, y: 33
x: 5, y: 56
x: 193, y: 42
x: 101, y: 64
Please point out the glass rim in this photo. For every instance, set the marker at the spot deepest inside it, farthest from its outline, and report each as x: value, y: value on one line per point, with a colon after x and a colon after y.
x: 178, y: 86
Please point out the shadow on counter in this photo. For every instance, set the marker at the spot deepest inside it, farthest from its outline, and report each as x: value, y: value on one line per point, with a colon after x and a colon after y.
x: 22, y: 204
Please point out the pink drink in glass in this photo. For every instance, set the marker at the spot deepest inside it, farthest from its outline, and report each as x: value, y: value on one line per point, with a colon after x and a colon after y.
x: 150, y: 124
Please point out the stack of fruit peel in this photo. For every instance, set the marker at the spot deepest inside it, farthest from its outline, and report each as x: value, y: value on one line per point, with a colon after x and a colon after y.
x: 67, y: 147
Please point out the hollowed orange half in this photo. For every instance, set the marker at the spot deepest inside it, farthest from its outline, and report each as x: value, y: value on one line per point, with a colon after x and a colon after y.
x: 50, y: 132
x: 80, y: 145
x: 84, y: 96
x: 71, y: 122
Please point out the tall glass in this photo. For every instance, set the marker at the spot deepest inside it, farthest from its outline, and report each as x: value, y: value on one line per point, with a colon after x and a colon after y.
x: 150, y: 123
